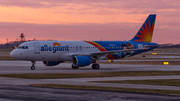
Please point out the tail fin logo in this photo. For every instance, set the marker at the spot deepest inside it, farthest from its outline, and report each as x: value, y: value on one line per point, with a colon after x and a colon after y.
x: 145, y: 33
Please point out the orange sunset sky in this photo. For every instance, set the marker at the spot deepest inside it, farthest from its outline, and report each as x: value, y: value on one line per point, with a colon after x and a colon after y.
x: 88, y: 19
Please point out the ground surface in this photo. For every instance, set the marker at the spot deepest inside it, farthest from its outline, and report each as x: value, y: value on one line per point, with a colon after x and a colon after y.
x: 20, y: 89
x: 27, y: 93
x: 16, y: 89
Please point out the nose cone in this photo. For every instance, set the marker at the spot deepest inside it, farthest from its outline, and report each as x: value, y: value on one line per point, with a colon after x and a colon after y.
x: 14, y: 54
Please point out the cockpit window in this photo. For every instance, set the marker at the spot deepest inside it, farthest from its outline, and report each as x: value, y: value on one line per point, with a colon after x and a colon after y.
x: 19, y: 47
x: 22, y: 47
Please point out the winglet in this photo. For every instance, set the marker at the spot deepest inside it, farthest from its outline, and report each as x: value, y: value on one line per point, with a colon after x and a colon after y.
x: 145, y: 33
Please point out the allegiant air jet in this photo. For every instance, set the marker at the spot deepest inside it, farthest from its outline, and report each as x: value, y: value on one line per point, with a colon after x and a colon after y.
x: 84, y: 53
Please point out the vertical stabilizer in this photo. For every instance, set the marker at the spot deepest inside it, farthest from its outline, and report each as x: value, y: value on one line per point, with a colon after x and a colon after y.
x: 145, y: 33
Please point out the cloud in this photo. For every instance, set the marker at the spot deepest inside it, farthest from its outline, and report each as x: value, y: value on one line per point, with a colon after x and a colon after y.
x: 87, y: 19
x: 86, y: 31
x: 99, y: 7
x: 111, y: 4
x: 66, y: 32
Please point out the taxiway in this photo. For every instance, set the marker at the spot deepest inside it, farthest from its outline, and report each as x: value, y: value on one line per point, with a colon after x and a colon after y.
x: 17, y: 89
x: 18, y: 67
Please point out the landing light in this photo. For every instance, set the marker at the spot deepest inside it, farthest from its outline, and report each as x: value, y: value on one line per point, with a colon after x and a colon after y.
x: 154, y: 53
x: 165, y: 63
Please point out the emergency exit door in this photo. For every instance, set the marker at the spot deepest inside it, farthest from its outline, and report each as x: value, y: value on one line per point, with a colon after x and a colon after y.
x: 37, y: 48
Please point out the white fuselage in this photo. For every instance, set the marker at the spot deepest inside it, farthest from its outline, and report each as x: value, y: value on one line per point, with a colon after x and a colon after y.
x: 66, y: 50
x: 46, y: 51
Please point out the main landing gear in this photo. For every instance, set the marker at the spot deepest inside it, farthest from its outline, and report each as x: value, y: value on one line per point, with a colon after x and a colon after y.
x: 95, y: 66
x: 33, y: 65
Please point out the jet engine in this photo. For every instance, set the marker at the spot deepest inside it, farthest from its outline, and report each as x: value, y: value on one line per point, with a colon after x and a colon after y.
x: 51, y: 63
x: 81, y: 61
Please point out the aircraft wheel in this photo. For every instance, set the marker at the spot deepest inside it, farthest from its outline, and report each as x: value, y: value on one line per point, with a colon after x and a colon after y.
x: 95, y: 66
x: 32, y: 67
x: 74, y: 67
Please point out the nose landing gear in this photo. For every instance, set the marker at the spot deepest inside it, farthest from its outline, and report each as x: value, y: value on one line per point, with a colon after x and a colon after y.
x: 33, y: 65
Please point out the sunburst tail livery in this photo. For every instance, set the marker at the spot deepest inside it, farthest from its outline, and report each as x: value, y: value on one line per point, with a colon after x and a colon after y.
x: 84, y: 53
x: 145, y: 33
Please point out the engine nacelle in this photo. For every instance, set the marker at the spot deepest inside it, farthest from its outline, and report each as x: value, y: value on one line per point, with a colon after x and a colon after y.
x: 81, y: 61
x: 51, y: 63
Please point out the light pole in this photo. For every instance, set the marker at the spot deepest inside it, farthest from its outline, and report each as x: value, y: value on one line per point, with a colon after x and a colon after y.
x: 7, y: 43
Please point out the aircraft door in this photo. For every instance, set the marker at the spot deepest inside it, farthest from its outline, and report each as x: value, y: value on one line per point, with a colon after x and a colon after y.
x: 140, y: 46
x: 37, y: 48
x: 76, y: 47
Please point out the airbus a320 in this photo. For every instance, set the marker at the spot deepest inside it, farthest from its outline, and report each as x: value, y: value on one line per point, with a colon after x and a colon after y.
x: 84, y: 53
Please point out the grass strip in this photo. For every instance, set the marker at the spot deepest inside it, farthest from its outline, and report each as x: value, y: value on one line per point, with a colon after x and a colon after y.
x: 90, y: 74
x: 6, y: 58
x: 6, y: 50
x: 143, y: 62
x: 167, y: 82
x: 134, y: 90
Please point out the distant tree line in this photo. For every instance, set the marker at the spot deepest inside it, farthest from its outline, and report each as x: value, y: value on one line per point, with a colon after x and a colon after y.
x: 169, y: 46
x: 12, y: 44
x: 15, y: 44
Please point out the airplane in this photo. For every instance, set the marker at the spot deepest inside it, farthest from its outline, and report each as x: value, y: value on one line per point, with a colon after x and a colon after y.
x: 84, y: 53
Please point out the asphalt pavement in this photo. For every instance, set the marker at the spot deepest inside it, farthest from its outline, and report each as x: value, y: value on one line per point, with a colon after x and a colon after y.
x: 17, y: 89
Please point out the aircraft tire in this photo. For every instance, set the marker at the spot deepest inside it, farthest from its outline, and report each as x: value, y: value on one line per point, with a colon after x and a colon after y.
x: 95, y: 66
x: 73, y: 67
x: 32, y: 67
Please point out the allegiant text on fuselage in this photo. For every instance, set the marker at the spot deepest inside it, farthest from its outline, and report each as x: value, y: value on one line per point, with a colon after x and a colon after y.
x: 54, y: 49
